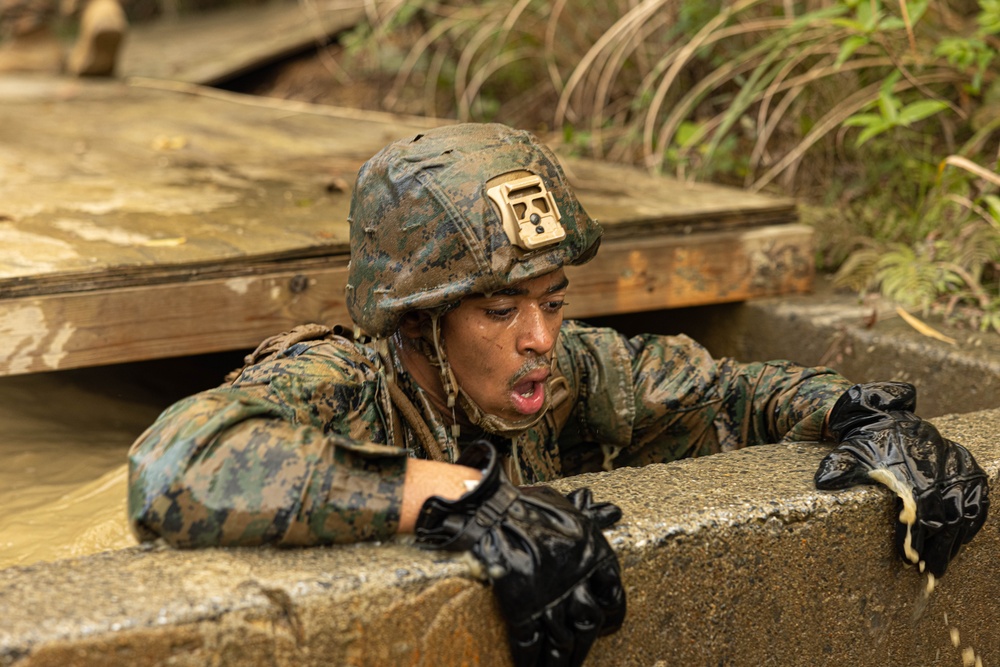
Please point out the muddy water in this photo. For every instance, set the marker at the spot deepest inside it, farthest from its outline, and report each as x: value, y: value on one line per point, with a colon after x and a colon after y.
x: 63, y: 441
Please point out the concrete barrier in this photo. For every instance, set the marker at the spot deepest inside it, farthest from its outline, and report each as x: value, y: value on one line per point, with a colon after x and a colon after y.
x: 732, y: 559
x: 864, y: 341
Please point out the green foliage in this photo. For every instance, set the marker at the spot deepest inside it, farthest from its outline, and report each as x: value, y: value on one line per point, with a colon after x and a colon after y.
x: 943, y: 258
x: 892, y: 113
x: 854, y: 102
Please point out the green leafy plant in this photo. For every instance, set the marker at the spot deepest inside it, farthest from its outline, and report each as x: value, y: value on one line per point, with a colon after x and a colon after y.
x: 951, y: 266
x: 867, y: 106
x: 892, y: 113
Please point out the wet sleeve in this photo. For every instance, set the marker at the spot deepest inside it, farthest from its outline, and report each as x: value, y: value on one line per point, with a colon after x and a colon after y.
x: 688, y: 403
x: 658, y: 398
x: 252, y: 464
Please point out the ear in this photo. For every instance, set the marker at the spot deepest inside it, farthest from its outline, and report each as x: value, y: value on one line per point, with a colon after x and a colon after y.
x: 414, y: 324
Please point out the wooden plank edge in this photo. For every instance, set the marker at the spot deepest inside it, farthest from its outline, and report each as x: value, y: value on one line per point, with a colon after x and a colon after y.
x: 125, y: 276
x: 167, y: 320
x: 321, y: 30
x: 697, y: 269
x: 305, y: 259
x: 699, y: 221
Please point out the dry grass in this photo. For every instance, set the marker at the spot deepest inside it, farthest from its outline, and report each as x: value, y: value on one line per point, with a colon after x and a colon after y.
x: 763, y: 94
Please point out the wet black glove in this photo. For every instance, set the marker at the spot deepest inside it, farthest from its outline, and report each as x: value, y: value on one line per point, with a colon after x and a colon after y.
x: 555, y: 577
x: 876, y: 428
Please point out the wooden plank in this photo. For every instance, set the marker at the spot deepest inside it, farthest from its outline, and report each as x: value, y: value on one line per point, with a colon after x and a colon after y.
x: 127, y: 324
x: 632, y: 202
x: 657, y: 272
x: 117, y: 180
x: 104, y: 185
x: 214, y: 47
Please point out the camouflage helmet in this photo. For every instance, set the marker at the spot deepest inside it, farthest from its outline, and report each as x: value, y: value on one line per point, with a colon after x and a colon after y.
x: 455, y: 211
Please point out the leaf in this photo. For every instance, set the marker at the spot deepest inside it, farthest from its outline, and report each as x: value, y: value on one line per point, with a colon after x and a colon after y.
x: 871, y: 131
x: 689, y: 133
x: 919, y: 110
x: 888, y: 104
x: 993, y: 203
x: 810, y: 19
x: 916, y: 10
x: 891, y: 23
x: 866, y: 16
x: 858, y: 269
x: 924, y: 328
x: 847, y: 49
x: 849, y: 24
x: 863, y: 120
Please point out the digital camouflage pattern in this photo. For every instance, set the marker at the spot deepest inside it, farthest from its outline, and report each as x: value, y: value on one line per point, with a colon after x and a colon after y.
x: 305, y: 445
x: 302, y: 448
x: 424, y: 233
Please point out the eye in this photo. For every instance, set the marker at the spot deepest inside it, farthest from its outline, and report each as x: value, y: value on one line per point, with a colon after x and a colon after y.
x: 554, y: 306
x: 499, y: 313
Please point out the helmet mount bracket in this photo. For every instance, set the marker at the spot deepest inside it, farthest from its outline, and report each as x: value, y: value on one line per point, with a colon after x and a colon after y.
x: 528, y: 211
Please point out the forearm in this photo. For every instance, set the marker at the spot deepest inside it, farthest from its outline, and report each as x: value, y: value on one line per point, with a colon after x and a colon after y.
x: 225, y: 469
x: 780, y: 400
x: 699, y: 405
x: 431, y: 478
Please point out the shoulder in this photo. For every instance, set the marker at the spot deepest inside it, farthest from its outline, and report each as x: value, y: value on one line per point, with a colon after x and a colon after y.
x: 311, y: 349
x: 575, y: 333
x: 586, y: 351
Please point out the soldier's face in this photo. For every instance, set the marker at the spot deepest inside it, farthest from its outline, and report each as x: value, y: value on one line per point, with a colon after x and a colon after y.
x: 499, y: 346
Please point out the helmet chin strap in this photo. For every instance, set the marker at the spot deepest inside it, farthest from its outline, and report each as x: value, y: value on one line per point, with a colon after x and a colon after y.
x: 475, y: 414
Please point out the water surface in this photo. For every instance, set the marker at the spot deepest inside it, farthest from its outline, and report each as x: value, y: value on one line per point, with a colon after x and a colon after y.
x: 64, y: 437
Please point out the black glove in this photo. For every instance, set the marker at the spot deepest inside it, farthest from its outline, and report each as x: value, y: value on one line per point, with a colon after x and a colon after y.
x: 555, y: 577
x: 876, y: 428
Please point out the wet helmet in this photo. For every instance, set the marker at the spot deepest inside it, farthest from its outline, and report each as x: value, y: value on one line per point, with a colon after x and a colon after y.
x: 455, y: 211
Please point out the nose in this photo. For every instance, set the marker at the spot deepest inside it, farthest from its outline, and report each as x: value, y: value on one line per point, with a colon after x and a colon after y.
x: 538, y: 331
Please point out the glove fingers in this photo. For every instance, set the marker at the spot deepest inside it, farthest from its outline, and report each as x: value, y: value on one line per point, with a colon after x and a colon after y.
x: 525, y: 641
x: 557, y: 644
x: 607, y: 591
x: 975, y: 507
x: 604, y: 515
x: 582, y: 499
x: 587, y: 619
x: 840, y: 469
x: 939, y: 549
x: 954, y: 532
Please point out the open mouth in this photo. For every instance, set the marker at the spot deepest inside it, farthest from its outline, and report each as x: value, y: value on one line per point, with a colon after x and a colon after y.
x: 528, y: 394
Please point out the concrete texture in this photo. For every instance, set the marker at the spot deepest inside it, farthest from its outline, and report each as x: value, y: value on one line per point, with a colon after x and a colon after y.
x: 733, y: 559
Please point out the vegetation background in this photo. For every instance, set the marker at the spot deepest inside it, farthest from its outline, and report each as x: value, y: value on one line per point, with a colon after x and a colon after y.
x: 882, y: 118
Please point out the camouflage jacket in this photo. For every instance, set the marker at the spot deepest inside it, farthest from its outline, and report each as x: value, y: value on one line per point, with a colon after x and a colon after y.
x: 304, y: 446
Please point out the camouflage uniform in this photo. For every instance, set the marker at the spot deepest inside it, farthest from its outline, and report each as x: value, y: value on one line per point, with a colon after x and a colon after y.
x: 309, y: 443
x: 305, y: 446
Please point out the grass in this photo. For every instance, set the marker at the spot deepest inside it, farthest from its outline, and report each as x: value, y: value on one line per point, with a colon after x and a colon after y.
x: 883, y: 115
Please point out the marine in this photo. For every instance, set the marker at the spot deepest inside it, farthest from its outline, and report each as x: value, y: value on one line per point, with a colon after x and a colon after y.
x: 460, y: 390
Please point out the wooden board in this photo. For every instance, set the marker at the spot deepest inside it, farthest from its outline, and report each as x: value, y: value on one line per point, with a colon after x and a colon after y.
x: 106, y: 185
x: 134, y: 323
x: 138, y: 222
x: 213, y: 47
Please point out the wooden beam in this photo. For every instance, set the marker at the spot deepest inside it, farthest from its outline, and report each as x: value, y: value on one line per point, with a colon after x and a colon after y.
x: 653, y: 273
x: 174, y: 319
x: 213, y: 47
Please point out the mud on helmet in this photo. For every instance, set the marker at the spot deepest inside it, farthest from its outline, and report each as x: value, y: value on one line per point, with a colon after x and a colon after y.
x: 456, y: 211
x: 427, y: 221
